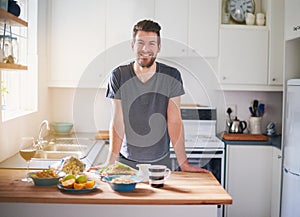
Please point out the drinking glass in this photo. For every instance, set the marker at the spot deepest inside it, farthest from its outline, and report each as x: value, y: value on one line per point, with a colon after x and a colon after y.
x: 27, y: 151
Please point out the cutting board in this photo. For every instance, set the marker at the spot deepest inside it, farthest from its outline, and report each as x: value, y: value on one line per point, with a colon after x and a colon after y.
x: 102, y: 135
x: 244, y: 137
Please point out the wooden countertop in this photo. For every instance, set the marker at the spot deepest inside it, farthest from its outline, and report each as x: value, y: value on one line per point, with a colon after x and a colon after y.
x: 181, y: 188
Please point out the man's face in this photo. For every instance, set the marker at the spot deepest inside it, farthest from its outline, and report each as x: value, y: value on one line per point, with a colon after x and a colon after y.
x: 145, y: 47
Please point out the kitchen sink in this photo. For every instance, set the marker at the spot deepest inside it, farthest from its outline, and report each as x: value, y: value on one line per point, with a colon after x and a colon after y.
x: 59, y: 148
x: 56, y: 155
x: 65, y: 147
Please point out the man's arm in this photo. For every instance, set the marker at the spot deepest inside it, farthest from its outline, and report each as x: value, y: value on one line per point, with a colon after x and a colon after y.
x: 116, y: 132
x: 176, y: 132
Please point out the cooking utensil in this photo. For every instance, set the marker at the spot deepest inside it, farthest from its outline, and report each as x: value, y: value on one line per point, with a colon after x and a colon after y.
x: 229, y: 111
x: 255, y: 107
x: 261, y: 109
x: 251, y: 111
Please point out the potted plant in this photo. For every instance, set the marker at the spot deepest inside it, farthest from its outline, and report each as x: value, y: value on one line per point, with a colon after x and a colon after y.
x: 4, y: 92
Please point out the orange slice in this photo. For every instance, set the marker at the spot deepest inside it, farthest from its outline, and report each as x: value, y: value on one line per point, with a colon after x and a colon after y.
x: 68, y: 183
x: 79, y: 186
x: 90, y: 184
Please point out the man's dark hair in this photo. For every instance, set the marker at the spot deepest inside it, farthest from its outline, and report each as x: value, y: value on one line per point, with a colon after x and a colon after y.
x: 147, y: 26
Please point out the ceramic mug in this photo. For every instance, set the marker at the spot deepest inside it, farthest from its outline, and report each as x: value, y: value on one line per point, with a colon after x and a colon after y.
x: 255, y: 125
x: 250, y: 18
x: 158, y: 174
x: 143, y: 171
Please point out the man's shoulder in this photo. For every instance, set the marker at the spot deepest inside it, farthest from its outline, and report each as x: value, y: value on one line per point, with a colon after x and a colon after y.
x: 168, y: 70
x: 165, y: 66
x: 122, y: 68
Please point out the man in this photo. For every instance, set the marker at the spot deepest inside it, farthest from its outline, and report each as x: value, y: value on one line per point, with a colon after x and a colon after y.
x: 146, y: 106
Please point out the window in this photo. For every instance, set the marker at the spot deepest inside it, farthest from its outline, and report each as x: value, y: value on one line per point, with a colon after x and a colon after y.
x: 20, y: 97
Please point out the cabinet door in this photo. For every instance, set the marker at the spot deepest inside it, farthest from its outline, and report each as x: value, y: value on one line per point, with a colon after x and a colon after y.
x: 276, y: 182
x: 76, y: 38
x: 122, y: 15
x: 174, y: 23
x: 248, y: 178
x: 243, y: 55
x: 276, y: 43
x: 204, y: 27
x: 292, y: 19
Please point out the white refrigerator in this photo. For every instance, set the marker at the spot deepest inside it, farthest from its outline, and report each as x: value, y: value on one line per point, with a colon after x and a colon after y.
x: 291, y: 152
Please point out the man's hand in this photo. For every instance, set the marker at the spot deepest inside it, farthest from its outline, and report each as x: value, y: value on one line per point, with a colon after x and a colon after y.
x: 186, y: 167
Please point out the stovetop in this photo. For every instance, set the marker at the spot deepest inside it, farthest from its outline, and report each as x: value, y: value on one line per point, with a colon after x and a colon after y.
x: 200, y: 125
x: 203, y: 141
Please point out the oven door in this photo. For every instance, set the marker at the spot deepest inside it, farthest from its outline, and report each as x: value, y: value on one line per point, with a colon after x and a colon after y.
x: 210, y: 159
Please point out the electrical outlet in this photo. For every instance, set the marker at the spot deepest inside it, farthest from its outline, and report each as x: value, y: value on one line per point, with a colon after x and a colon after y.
x: 233, y: 109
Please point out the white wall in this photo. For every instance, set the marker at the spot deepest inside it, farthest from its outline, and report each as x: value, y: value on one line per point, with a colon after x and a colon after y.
x: 62, y: 107
x: 244, y: 99
x: 94, y: 109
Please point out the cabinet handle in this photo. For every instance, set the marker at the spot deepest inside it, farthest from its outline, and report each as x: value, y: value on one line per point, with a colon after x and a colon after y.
x: 296, y: 28
x: 273, y: 79
x: 279, y: 157
x: 224, y: 78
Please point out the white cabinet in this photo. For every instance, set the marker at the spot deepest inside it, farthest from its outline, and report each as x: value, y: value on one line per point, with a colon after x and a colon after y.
x: 251, y: 57
x: 189, y: 28
x: 243, y: 55
x: 276, y: 182
x: 204, y: 20
x: 121, y: 17
x: 76, y: 38
x: 292, y: 19
x: 248, y: 180
x: 276, y: 43
x: 174, y: 23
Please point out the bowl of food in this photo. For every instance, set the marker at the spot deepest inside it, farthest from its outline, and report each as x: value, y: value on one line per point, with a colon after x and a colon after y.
x: 45, y: 177
x: 122, y: 183
x: 62, y: 127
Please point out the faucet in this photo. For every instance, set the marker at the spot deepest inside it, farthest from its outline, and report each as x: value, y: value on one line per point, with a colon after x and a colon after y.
x: 41, y: 140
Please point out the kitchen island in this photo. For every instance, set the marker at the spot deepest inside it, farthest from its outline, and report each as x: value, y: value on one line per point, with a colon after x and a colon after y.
x: 195, y: 194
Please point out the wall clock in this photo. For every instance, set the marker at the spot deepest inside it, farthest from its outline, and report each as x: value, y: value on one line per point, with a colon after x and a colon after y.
x: 238, y: 9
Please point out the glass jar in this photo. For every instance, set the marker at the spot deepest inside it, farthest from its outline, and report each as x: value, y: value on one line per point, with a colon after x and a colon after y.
x: 9, y: 49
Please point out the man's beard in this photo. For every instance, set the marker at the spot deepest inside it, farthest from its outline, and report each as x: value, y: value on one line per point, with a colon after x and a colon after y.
x: 148, y: 64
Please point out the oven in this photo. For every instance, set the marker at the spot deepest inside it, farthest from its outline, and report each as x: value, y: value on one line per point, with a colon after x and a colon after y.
x: 212, y: 160
x: 203, y: 148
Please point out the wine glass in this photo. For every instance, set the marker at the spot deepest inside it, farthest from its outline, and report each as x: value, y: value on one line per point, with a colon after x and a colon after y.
x: 27, y: 151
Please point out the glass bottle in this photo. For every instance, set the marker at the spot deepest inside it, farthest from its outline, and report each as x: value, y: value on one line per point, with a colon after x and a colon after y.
x: 225, y: 12
x: 9, y: 49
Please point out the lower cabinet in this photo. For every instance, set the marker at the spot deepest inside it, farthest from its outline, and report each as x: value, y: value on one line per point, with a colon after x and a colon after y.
x: 252, y: 180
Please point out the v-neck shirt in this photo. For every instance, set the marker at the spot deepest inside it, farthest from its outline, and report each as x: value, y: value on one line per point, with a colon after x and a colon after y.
x: 144, y: 106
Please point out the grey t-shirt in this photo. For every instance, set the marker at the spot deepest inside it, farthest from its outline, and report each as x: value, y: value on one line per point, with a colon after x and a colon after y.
x: 145, y: 109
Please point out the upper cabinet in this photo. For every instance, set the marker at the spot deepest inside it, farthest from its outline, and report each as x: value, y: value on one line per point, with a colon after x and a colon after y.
x: 76, y: 39
x: 243, y: 56
x: 190, y: 28
x: 174, y: 23
x: 121, y: 17
x: 6, y: 21
x: 251, y: 56
x: 292, y: 19
x: 204, y: 22
x: 84, y: 49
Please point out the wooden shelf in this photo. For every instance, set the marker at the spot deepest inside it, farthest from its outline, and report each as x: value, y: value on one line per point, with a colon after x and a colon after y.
x: 8, y: 66
x: 11, y: 19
